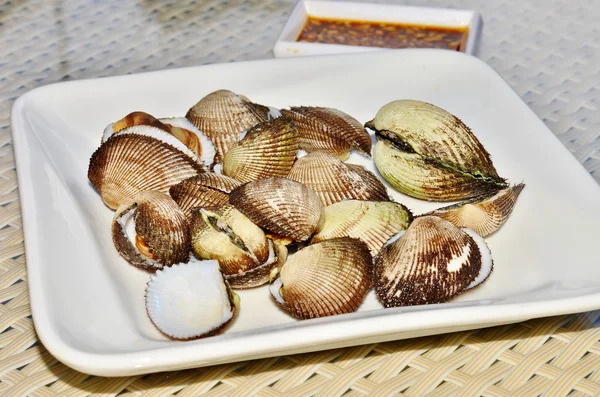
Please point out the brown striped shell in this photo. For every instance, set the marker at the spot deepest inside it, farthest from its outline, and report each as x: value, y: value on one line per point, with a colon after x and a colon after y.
x: 334, y: 180
x: 329, y: 130
x: 323, y: 279
x: 151, y: 232
x: 140, y: 158
x: 223, y: 115
x: 179, y: 127
x: 244, y: 253
x: 428, y: 153
x: 203, y: 190
x: 431, y: 262
x: 373, y: 222
x: 280, y: 206
x: 484, y: 215
x: 267, y: 150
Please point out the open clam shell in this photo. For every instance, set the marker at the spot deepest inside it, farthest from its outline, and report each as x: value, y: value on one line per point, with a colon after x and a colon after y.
x: 323, y: 279
x: 223, y: 115
x: 152, y: 231
x: 179, y: 127
x: 485, y: 214
x: 373, y: 222
x: 334, y: 180
x: 140, y: 158
x: 242, y: 249
x: 267, y: 150
x: 425, y: 136
x: 190, y: 300
x: 431, y: 262
x: 203, y: 190
x: 329, y: 130
x: 281, y: 206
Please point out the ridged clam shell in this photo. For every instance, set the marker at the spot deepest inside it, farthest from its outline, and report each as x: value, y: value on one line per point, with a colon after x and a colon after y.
x: 190, y: 300
x: 203, y: 190
x: 268, y: 150
x: 334, y: 180
x: 280, y: 206
x: 329, y: 130
x: 223, y: 115
x: 373, y: 222
x: 152, y: 231
x: 140, y: 158
x: 179, y: 127
x: 440, y: 139
x: 323, y: 279
x: 227, y: 235
x: 412, y: 175
x: 484, y: 215
x: 431, y: 262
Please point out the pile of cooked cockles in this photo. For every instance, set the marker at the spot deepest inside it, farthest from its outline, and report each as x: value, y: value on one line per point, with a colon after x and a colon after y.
x: 237, y: 195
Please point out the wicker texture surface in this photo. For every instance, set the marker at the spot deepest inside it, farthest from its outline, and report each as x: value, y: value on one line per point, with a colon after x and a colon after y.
x: 549, y: 52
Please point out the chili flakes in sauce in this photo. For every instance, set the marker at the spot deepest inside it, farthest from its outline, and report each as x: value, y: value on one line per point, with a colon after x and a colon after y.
x: 382, y: 34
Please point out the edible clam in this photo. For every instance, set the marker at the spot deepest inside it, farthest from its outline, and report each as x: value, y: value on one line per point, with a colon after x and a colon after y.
x: 267, y: 150
x: 151, y: 232
x: 223, y: 115
x: 373, y: 222
x: 203, y: 190
x: 244, y: 253
x: 485, y: 214
x: 334, y: 180
x: 431, y: 262
x: 190, y: 300
x: 140, y: 158
x: 323, y: 279
x: 329, y: 130
x: 428, y: 153
x: 281, y: 206
x: 179, y: 127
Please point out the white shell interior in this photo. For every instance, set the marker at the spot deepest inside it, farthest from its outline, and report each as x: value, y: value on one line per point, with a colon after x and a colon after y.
x: 189, y: 299
x: 274, y: 288
x: 208, y: 148
x: 486, y: 258
x: 127, y: 222
x: 108, y: 131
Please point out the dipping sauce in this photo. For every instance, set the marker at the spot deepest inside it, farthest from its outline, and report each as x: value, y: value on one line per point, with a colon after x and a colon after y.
x: 382, y: 34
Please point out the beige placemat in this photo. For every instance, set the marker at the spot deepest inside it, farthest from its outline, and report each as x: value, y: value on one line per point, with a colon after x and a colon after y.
x: 549, y: 53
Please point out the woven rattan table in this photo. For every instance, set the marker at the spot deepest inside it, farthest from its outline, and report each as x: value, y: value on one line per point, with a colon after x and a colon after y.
x: 548, y: 51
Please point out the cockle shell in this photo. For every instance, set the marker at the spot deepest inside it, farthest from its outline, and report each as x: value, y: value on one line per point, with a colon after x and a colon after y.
x: 151, y: 232
x: 428, y: 153
x: 485, y: 214
x: 203, y: 190
x: 140, y: 158
x: 431, y: 262
x: 280, y: 206
x: 373, y: 222
x: 329, y: 130
x: 267, y: 150
x: 223, y: 115
x: 179, y: 127
x: 190, y: 300
x: 323, y: 279
x: 244, y: 253
x: 334, y: 180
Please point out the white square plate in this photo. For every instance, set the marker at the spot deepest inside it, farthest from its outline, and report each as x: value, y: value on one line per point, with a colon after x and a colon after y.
x: 288, y: 46
x: 88, y: 303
